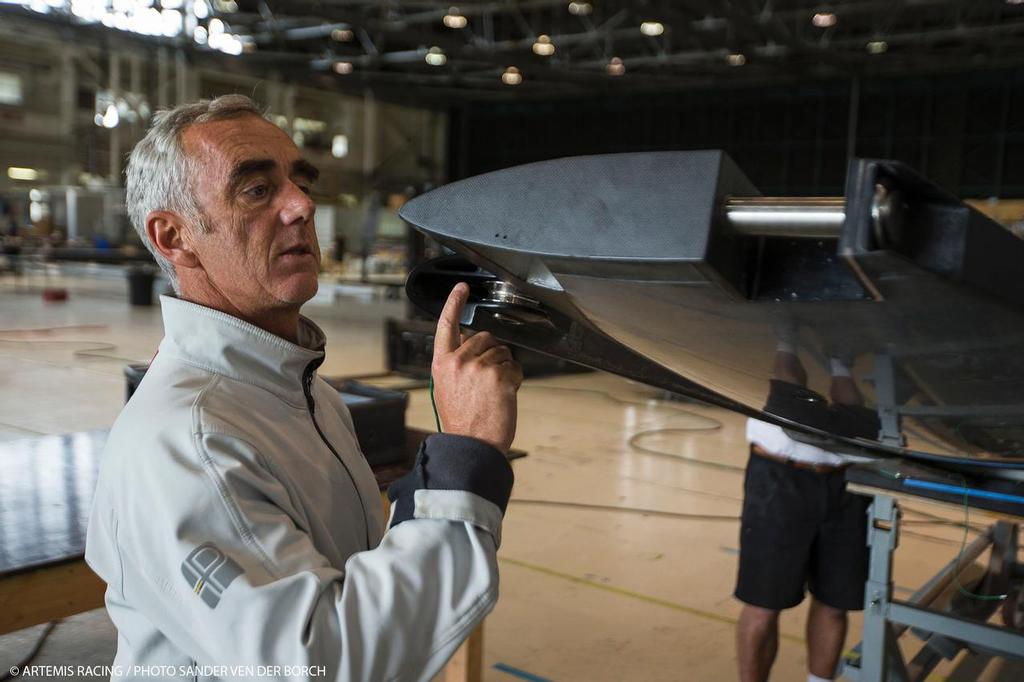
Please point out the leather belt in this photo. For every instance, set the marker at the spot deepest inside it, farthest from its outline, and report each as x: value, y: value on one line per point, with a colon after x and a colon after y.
x: 796, y: 463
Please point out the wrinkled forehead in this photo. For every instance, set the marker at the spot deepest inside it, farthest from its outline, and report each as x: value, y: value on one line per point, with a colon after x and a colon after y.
x: 218, y: 146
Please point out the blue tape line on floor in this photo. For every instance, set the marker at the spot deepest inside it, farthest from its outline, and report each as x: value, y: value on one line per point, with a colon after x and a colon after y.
x: 521, y: 674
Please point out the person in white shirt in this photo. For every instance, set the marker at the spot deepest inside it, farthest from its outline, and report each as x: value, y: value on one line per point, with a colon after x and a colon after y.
x: 800, y: 529
x: 236, y: 523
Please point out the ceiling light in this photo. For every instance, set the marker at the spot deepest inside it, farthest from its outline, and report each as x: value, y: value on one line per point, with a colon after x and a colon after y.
x: 343, y: 68
x: 342, y: 35
x: 824, y: 19
x: 200, y: 35
x: 736, y: 59
x: 544, y: 47
x: 16, y: 173
x: 88, y: 10
x: 652, y: 28
x: 1015, y: 2
x: 511, y: 76
x: 111, y: 118
x: 453, y: 19
x: 231, y: 45
x: 339, y: 146
x: 170, y: 20
x: 616, y: 67
x: 200, y: 9
x: 435, y: 57
x: 580, y: 9
x: 880, y: 46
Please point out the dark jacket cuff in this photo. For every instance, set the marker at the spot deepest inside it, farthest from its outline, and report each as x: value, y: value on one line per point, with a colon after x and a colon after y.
x: 450, y: 462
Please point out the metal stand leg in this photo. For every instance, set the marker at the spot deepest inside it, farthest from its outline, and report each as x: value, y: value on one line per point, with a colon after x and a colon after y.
x: 879, y: 647
x: 1004, y: 556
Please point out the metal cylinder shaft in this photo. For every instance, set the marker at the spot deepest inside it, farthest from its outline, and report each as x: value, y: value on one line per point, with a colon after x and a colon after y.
x: 806, y: 217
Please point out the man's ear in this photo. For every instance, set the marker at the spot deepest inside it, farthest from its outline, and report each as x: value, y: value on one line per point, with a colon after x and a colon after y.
x: 167, y: 233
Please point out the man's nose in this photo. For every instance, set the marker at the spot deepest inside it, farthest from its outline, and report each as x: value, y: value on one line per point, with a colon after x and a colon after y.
x: 298, y: 206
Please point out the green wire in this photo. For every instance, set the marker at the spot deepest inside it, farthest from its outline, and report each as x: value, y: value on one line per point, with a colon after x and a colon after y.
x: 963, y: 544
x: 437, y: 418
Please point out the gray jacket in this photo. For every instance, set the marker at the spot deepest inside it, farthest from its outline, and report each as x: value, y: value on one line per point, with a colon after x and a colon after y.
x: 241, y: 533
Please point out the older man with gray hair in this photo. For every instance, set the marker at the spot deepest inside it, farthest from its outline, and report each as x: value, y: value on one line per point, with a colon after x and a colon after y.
x: 236, y: 523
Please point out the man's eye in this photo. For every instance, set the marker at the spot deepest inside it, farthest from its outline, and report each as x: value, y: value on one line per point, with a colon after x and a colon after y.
x: 257, y: 192
x: 306, y: 189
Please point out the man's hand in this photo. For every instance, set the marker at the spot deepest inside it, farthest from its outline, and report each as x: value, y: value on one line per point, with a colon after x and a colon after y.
x: 475, y: 381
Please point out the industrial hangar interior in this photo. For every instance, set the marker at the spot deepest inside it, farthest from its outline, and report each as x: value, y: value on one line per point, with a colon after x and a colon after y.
x: 741, y: 317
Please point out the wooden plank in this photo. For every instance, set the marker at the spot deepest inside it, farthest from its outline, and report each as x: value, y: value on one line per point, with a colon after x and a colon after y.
x: 50, y: 593
x: 467, y: 665
x: 1004, y: 211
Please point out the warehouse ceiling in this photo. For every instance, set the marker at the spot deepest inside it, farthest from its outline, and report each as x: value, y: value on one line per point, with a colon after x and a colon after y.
x: 555, y: 48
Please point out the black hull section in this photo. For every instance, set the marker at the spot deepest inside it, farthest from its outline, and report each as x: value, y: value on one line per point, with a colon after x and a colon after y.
x: 625, y: 263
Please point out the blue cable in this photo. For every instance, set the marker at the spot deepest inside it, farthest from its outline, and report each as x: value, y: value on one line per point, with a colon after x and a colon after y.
x: 962, y: 490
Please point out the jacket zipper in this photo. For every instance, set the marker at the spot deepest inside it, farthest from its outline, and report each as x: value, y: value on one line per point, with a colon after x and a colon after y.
x: 307, y: 389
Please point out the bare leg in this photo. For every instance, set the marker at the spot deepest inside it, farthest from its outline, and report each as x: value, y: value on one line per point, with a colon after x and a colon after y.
x: 788, y: 368
x: 844, y: 391
x: 757, y: 641
x: 826, y: 633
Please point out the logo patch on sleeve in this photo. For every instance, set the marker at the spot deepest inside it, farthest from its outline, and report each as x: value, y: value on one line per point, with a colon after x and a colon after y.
x: 209, y: 572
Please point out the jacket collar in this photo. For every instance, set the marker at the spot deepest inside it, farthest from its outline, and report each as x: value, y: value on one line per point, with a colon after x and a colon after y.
x: 226, y: 345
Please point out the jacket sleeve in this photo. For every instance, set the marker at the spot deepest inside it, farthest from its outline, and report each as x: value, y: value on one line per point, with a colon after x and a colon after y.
x: 213, y: 559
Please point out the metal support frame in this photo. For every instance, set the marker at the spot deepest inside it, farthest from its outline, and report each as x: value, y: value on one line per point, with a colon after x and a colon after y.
x: 885, y: 618
x: 890, y: 413
x: 115, y: 132
x: 890, y: 432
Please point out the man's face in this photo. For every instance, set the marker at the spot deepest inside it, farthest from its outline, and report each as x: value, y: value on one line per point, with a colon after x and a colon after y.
x: 261, y: 253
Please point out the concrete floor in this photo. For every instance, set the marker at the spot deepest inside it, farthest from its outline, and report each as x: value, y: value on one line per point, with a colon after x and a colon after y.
x: 593, y: 588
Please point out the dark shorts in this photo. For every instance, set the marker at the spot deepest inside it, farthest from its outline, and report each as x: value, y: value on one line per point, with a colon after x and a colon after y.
x: 804, y: 406
x: 801, y: 529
